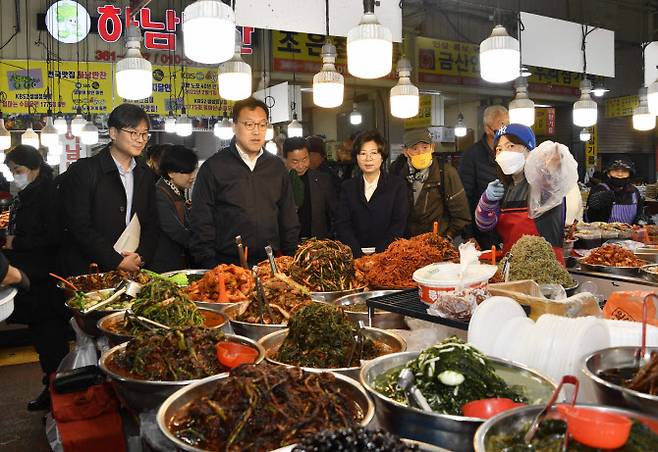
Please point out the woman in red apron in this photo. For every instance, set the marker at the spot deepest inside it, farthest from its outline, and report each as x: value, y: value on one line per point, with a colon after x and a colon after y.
x: 504, y: 204
x: 616, y: 200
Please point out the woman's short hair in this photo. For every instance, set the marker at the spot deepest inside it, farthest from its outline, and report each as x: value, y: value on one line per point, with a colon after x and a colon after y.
x: 177, y: 159
x: 127, y: 115
x: 365, y: 137
x: 28, y: 157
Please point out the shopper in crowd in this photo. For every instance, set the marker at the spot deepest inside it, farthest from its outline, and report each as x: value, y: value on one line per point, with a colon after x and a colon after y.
x: 616, y: 199
x: 178, y: 166
x: 478, y: 167
x: 527, y: 198
x: 31, y: 245
x: 101, y: 194
x: 313, y: 191
x: 153, y: 156
x: 435, y: 191
x: 242, y: 190
x: 374, y: 205
x: 317, y: 148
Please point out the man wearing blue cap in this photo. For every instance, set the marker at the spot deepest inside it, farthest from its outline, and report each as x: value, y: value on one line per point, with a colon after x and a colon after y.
x: 504, y: 204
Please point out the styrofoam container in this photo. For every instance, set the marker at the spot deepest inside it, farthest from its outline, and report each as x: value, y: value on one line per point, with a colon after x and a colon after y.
x: 7, y: 295
x: 445, y: 277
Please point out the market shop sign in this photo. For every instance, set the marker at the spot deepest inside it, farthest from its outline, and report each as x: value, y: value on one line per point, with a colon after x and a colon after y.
x: 618, y: 107
x: 424, y: 116
x: 592, y: 149
x: 544, y: 122
x: 68, y: 21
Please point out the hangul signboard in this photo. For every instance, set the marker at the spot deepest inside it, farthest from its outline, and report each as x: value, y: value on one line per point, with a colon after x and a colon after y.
x: 424, y: 117
x: 618, y: 107
x: 591, y: 149
x: 544, y: 122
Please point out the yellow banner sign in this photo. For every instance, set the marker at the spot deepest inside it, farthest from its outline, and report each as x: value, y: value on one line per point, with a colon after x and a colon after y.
x: 93, y: 87
x: 424, y: 117
x: 591, y: 149
x: 620, y: 106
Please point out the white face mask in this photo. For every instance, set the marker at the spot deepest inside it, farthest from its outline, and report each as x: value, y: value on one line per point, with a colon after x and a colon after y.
x: 20, y: 180
x: 510, y: 162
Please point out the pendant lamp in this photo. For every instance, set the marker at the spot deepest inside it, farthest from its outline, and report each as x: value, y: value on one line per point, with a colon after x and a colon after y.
x: 328, y: 84
x: 522, y: 109
x: 30, y: 138
x: 5, y: 136
x: 183, y: 124
x: 643, y: 120
x: 355, y: 116
x: 460, y: 127
x: 133, y: 73
x: 584, y: 109
x: 61, y: 125
x: 500, y: 57
x: 234, y: 76
x: 77, y: 123
x: 295, y: 128
x: 49, y: 134
x: 369, y: 46
x: 585, y: 134
x: 170, y: 123
x: 89, y: 134
x: 271, y: 147
x: 208, y: 31
x: 405, y: 99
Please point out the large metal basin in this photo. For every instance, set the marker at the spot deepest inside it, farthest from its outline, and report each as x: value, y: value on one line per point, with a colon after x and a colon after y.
x: 88, y: 322
x: 608, y: 393
x: 331, y: 296
x: 273, y: 341
x: 381, y: 319
x: 202, y: 304
x: 183, y: 396
x: 144, y: 395
x: 511, y: 422
x: 451, y: 432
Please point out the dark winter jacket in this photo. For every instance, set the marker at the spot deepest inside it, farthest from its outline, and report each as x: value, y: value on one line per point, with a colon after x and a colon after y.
x: 322, y: 203
x: 174, y: 240
x: 601, y: 200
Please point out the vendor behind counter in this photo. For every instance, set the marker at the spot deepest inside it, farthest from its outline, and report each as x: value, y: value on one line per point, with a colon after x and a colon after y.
x: 616, y: 199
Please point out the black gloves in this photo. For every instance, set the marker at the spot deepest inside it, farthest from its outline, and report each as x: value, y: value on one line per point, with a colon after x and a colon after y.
x: 24, y: 283
x: 601, y: 200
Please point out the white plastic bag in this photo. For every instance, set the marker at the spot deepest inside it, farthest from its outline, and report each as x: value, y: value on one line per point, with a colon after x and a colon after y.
x: 84, y: 353
x: 551, y: 171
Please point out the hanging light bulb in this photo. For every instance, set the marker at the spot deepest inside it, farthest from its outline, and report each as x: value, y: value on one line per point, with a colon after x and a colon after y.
x: 56, y: 148
x: 89, y: 135
x: 61, y: 125
x: 208, y: 31
x: 600, y: 89
x: 270, y: 147
x: 269, y: 133
x: 53, y: 160
x: 5, y: 136
x: 328, y: 84
x: 183, y: 125
x: 404, y: 96
x: 500, y: 57
x: 369, y: 46
x: 77, y: 123
x: 30, y: 138
x: 460, y: 127
x: 170, y: 123
x: 49, y: 134
x: 355, y: 117
x: 522, y: 109
x: 234, y: 76
x: 584, y: 109
x: 652, y: 97
x: 134, y: 73
x: 223, y: 129
x: 585, y: 134
x: 295, y: 128
x: 643, y: 120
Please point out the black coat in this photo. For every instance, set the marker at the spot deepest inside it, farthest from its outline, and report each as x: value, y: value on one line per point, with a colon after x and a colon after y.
x: 94, y: 204
x: 477, y: 168
x: 174, y: 240
x: 323, y: 203
x: 363, y: 224
x: 229, y: 200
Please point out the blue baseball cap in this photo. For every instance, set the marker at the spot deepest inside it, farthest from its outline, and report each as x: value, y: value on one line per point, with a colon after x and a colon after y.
x: 523, y: 133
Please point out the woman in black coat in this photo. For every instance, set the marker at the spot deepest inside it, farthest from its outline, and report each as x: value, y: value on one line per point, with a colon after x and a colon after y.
x: 178, y: 167
x: 373, y: 207
x: 31, y: 245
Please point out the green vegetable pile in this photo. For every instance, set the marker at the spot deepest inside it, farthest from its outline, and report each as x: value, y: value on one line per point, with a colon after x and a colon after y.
x: 324, y: 265
x: 449, y: 375
x: 533, y: 258
x: 322, y: 336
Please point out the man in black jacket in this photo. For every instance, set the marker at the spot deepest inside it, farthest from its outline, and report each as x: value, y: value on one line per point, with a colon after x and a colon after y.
x: 314, y: 193
x: 102, y: 193
x: 478, y: 167
x: 242, y: 190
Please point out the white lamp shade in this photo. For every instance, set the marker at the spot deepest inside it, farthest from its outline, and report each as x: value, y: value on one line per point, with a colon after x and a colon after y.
x: 134, y: 77
x: 369, y: 49
x: 49, y: 134
x: 89, y: 134
x: 61, y: 125
x: 208, y: 31
x: 652, y: 98
x: 269, y: 133
x: 522, y: 111
x: 585, y: 135
x: 328, y: 84
x: 183, y: 126
x: 356, y: 118
x: 56, y: 149
x: 170, y: 124
x: 77, y: 123
x: 270, y: 147
x: 460, y: 131
x: 500, y: 57
x: 223, y: 129
x: 53, y: 159
x: 5, y: 136
x: 585, y: 112
x: 295, y: 129
x: 30, y: 138
x: 643, y: 120
x: 405, y: 100
x: 235, y: 85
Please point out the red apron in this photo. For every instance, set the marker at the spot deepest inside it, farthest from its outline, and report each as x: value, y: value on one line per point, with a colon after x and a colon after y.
x: 514, y: 224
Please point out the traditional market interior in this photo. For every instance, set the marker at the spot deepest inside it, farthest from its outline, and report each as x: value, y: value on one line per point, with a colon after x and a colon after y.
x: 328, y: 225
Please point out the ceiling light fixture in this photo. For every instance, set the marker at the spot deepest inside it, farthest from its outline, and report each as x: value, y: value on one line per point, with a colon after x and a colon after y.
x: 328, y: 84
x: 585, y: 109
x: 369, y: 46
x: 356, y: 118
x: 208, y: 31
x: 5, y: 135
x: 643, y: 120
x: 460, y: 126
x: 234, y: 75
x: 134, y: 73
x: 500, y: 57
x: 30, y: 138
x: 585, y: 134
x: 522, y: 109
x: 405, y: 99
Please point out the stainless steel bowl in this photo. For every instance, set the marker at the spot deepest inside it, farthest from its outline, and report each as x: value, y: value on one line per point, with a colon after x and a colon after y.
x: 420, y: 446
x: 649, y: 254
x: 331, y: 296
x: 105, y: 325
x: 511, y: 422
x: 88, y: 322
x: 183, y: 396
x: 220, y: 307
x: 571, y: 290
x: 451, y: 432
x: 256, y: 331
x: 609, y: 393
x: 68, y: 292
x: 381, y: 319
x: 624, y: 271
x: 144, y: 395
x: 273, y: 341
x: 647, y: 274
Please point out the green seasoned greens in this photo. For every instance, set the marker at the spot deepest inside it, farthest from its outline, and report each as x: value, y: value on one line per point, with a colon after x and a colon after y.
x: 324, y: 265
x: 550, y: 438
x: 533, y: 258
x: 449, y: 375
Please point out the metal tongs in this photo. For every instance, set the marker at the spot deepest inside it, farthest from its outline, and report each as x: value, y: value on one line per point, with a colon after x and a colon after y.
x: 147, y: 323
x: 642, y: 356
x: 260, y: 296
x: 270, y: 257
x: 126, y: 286
x: 241, y: 252
x: 407, y: 383
x: 359, y: 342
x: 567, y: 379
x: 506, y: 265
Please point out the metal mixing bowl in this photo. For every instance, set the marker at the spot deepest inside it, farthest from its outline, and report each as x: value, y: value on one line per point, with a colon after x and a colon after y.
x: 328, y: 297
x: 381, y: 319
x: 609, y: 393
x: 511, y: 422
x: 144, y: 395
x: 88, y: 322
x: 452, y: 432
x: 273, y: 341
x: 202, y: 304
x: 183, y: 396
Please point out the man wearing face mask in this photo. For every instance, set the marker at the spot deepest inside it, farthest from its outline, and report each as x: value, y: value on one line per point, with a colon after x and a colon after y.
x: 504, y: 204
x: 616, y: 199
x: 435, y: 191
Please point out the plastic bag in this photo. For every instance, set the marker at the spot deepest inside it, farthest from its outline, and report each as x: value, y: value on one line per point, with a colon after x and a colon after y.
x: 468, y: 255
x: 551, y: 172
x: 627, y: 305
x: 553, y: 291
x: 84, y: 353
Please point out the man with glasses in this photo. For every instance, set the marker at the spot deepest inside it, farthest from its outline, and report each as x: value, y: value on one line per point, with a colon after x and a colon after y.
x: 244, y: 191
x: 101, y: 194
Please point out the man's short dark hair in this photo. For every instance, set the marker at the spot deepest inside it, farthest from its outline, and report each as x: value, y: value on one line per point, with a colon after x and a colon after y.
x: 176, y: 158
x: 250, y: 103
x: 316, y: 144
x: 127, y: 115
x: 294, y: 144
x: 370, y: 135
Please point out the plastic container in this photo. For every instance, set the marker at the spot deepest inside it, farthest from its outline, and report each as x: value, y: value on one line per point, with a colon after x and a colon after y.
x: 434, y: 279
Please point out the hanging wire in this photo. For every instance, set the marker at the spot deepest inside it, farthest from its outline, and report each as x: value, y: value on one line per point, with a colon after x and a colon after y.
x: 170, y: 63
x: 77, y: 51
x: 585, y: 31
x: 59, y: 69
x: 27, y: 53
x: 87, y: 66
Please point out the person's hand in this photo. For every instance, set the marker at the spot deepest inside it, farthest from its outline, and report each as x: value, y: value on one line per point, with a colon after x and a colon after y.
x: 131, y: 262
x: 9, y: 243
x: 24, y: 283
x: 495, y: 190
